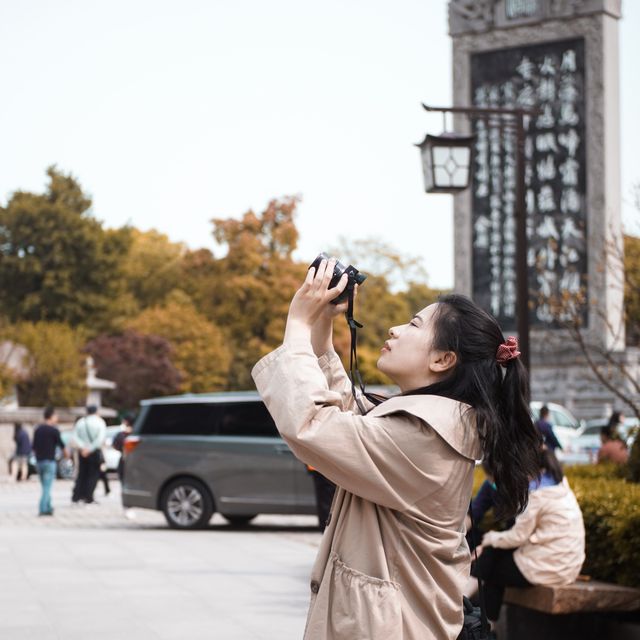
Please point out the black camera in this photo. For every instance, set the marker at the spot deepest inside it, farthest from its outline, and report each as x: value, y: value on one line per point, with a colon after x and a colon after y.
x: 355, y: 277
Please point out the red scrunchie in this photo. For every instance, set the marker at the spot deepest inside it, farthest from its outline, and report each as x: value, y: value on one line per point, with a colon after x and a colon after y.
x: 507, y: 351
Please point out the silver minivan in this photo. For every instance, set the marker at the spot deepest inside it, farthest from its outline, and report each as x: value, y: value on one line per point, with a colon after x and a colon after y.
x: 192, y: 455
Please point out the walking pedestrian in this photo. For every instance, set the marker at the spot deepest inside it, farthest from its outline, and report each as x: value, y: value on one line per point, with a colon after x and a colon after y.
x: 45, y: 441
x: 88, y: 436
x: 20, y: 462
x: 546, y: 429
x: 393, y: 560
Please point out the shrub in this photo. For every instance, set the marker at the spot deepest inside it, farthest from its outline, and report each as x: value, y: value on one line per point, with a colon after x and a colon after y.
x: 611, y: 512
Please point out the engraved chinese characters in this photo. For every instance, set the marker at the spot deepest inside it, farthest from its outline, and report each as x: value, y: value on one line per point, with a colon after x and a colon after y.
x: 549, y: 77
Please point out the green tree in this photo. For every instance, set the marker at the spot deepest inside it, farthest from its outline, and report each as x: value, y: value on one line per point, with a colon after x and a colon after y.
x: 57, y: 263
x: 152, y: 268
x: 200, y: 350
x: 55, y: 367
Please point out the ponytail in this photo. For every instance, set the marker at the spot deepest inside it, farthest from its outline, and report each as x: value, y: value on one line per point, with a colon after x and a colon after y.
x: 512, y: 444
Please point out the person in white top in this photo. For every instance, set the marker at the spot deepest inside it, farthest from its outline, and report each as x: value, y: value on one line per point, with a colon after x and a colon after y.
x: 88, y: 436
x: 545, y: 546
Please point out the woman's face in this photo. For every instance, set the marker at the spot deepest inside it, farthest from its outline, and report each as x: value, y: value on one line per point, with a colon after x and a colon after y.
x: 408, y: 357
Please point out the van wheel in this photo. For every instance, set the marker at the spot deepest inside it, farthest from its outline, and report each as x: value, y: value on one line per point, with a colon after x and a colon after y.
x: 186, y: 504
x: 239, y: 521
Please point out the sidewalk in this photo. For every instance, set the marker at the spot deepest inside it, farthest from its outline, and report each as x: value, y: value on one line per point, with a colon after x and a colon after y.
x: 89, y: 573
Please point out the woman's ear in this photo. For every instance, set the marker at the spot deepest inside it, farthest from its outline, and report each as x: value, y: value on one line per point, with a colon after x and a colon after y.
x: 442, y: 361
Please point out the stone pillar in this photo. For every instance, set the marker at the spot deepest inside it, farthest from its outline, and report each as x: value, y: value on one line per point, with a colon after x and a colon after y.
x: 576, y: 215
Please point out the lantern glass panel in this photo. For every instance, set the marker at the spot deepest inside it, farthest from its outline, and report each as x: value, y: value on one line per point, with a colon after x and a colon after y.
x: 441, y: 177
x: 441, y: 155
x: 460, y: 156
x: 460, y: 177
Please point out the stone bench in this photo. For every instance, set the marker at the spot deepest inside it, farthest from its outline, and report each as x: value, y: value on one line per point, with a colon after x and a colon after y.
x: 581, y: 596
x: 585, y: 610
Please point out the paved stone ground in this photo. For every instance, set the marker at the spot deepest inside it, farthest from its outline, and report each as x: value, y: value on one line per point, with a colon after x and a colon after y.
x: 90, y: 573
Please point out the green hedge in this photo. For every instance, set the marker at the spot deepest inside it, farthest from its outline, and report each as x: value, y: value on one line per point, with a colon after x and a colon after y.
x: 611, y: 512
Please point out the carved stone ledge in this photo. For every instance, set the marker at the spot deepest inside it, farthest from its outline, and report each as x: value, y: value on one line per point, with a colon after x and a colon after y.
x: 480, y: 16
x: 580, y: 597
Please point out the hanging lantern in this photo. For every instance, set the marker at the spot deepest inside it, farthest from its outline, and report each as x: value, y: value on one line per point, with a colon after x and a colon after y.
x: 446, y: 161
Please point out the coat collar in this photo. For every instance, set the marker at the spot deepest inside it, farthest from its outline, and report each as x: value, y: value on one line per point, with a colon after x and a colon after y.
x: 453, y: 421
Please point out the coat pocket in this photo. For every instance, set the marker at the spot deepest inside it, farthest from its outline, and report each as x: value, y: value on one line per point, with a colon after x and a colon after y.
x: 361, y: 607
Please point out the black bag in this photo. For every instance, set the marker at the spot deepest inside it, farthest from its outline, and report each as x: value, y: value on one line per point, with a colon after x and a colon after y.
x: 473, y: 627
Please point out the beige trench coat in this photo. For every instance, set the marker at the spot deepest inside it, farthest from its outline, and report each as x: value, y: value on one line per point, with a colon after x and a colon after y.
x: 393, y: 560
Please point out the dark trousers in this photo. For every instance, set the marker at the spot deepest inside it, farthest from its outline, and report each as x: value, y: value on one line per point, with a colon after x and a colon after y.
x: 87, y: 478
x: 105, y: 481
x: 497, y: 570
x: 324, y: 490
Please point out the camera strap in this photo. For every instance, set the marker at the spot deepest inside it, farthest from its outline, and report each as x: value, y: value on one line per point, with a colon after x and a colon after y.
x: 354, y: 325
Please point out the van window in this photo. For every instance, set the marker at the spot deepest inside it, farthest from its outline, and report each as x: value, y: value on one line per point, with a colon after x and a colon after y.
x: 247, y: 419
x: 189, y: 419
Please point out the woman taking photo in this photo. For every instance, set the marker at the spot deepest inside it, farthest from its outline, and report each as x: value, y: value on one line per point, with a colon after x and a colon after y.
x: 393, y: 561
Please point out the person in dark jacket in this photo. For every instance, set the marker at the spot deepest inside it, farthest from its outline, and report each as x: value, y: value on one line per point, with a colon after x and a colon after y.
x: 45, y: 440
x: 20, y: 466
x: 118, y: 442
x: 546, y: 429
x: 482, y: 502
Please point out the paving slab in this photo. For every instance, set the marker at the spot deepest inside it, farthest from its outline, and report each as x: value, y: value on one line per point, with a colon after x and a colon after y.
x: 91, y: 572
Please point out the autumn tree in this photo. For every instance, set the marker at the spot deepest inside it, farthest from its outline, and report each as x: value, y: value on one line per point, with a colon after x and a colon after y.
x: 55, y: 371
x: 373, y: 255
x: 251, y: 286
x: 141, y: 366
x: 200, y: 350
x: 57, y: 263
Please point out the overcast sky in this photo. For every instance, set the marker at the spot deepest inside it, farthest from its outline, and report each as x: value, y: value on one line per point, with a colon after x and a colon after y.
x: 172, y: 113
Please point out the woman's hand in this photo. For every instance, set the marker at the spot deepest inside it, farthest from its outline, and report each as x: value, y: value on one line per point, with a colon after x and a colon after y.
x: 311, y: 304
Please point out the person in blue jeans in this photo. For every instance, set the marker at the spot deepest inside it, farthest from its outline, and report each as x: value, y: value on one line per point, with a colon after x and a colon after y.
x: 45, y: 440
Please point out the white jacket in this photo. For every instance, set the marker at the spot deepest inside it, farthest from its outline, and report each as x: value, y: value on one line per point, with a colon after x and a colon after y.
x: 548, y: 537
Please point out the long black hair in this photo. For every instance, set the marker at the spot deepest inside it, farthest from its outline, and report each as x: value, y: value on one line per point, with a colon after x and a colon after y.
x: 550, y: 464
x: 499, y: 396
x: 614, y: 420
